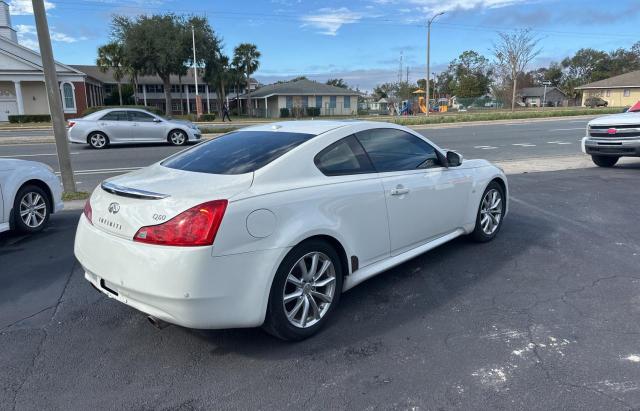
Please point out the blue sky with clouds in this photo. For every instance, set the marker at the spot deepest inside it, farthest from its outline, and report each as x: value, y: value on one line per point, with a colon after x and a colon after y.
x: 358, y: 40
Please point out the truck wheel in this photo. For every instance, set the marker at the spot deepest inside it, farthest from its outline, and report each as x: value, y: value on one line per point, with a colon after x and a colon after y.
x: 605, y: 161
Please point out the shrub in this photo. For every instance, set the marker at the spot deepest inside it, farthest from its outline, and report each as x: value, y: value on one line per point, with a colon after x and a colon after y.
x: 284, y: 112
x: 313, y: 111
x: 208, y: 117
x: 151, y: 109
x: 29, y: 118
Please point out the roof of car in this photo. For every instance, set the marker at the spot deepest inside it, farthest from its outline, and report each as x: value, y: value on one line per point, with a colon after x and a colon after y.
x: 302, y: 126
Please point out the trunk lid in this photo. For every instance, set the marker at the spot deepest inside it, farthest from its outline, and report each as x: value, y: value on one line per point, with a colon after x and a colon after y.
x: 156, y: 194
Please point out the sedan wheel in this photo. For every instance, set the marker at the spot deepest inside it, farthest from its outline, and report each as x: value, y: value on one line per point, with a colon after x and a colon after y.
x: 31, y: 208
x: 98, y: 140
x: 490, y: 213
x: 305, y: 291
x: 177, y: 137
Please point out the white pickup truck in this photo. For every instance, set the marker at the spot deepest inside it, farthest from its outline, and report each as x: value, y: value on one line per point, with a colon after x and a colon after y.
x: 611, y: 137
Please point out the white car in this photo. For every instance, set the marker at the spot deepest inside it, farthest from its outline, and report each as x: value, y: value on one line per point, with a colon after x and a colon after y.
x: 269, y: 224
x: 127, y: 125
x: 30, y: 193
x: 611, y: 137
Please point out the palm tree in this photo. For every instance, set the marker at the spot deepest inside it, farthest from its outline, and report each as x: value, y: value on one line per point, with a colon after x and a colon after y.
x: 111, y: 56
x: 245, y: 56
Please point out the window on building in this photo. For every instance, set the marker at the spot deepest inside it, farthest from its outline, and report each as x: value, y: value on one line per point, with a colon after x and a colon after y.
x: 140, y: 88
x: 396, y: 150
x: 332, y: 102
x: 289, y: 102
x: 347, y: 102
x: 155, y: 88
x: 319, y: 101
x: 627, y: 92
x: 68, y: 98
x: 343, y: 157
x: 176, y: 106
x: 175, y: 88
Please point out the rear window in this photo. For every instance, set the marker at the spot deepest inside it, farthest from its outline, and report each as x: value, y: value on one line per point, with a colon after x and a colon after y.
x: 237, y: 152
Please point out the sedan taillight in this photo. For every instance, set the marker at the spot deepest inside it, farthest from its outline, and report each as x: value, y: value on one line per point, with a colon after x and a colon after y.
x: 196, y: 226
x: 88, y: 212
x: 71, y: 124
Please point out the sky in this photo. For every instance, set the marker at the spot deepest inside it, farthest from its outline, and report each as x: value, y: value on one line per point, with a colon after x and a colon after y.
x: 361, y: 41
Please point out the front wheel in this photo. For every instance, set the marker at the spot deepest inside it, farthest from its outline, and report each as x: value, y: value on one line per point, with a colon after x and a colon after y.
x: 178, y: 137
x: 31, y: 209
x: 98, y: 140
x: 305, y: 291
x: 490, y: 213
x: 605, y: 161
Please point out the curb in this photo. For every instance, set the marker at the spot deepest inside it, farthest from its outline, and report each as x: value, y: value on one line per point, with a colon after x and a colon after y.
x: 74, y: 205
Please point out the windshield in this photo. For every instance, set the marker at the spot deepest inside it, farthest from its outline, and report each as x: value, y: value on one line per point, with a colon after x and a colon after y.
x: 238, y: 152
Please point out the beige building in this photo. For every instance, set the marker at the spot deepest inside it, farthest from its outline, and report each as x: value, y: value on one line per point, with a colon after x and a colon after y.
x: 618, y: 91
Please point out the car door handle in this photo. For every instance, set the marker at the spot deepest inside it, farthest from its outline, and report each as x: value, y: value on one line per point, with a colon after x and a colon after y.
x: 399, y: 190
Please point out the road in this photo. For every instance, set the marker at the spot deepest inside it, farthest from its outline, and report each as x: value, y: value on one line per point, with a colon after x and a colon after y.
x: 544, y: 317
x: 516, y: 140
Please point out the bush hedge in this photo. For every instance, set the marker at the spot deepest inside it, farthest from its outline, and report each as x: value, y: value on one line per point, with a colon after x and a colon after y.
x: 208, y: 117
x: 29, y: 118
x: 154, y: 110
x: 284, y: 112
x: 313, y: 111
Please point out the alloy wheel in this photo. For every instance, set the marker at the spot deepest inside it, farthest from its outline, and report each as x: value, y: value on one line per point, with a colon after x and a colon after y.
x: 33, y: 209
x: 178, y: 138
x: 491, y: 211
x: 98, y: 140
x: 309, y: 289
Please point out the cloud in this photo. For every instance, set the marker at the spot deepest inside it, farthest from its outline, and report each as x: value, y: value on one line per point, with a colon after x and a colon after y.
x: 28, y: 36
x: 438, y: 6
x: 25, y: 7
x: 328, y: 21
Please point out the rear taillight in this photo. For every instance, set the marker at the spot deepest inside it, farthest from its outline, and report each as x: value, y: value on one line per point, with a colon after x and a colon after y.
x: 197, y: 226
x: 71, y: 124
x: 88, y: 212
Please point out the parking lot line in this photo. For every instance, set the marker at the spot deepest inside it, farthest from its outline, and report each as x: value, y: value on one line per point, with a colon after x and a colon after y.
x: 32, y: 155
x: 524, y: 145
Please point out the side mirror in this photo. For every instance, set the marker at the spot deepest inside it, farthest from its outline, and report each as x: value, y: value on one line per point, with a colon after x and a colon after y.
x: 157, y: 120
x: 453, y: 159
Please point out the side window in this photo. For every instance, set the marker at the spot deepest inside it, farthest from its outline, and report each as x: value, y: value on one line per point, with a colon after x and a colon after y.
x: 140, y: 116
x: 396, y: 150
x: 343, y: 157
x: 116, y: 116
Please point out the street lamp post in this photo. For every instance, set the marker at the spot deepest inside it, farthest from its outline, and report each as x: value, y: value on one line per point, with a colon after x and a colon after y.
x: 429, y: 57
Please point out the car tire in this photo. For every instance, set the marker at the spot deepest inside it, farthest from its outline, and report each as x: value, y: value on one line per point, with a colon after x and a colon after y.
x: 178, y: 137
x: 605, y: 161
x: 98, y: 140
x: 300, y: 303
x: 492, y: 207
x: 31, y: 209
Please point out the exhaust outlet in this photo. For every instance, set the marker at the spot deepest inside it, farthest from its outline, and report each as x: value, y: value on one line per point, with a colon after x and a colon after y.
x: 158, y: 323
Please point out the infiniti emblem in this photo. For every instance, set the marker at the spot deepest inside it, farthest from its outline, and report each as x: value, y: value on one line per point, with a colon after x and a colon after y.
x: 114, y: 208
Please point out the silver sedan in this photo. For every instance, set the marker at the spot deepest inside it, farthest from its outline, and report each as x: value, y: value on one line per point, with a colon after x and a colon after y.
x: 128, y: 125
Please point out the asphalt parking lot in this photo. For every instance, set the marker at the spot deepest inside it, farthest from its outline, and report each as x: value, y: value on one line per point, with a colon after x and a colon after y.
x: 544, y: 317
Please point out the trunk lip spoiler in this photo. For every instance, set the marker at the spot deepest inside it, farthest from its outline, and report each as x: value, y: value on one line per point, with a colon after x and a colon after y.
x: 131, y: 192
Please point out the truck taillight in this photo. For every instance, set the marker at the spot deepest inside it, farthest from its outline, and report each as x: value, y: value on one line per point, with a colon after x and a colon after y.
x: 88, y: 212
x: 196, y: 226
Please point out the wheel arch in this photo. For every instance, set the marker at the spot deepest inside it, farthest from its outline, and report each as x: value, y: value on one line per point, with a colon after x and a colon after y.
x: 42, y: 185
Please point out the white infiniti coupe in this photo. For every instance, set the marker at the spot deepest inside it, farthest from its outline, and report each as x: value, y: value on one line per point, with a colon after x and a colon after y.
x: 270, y: 224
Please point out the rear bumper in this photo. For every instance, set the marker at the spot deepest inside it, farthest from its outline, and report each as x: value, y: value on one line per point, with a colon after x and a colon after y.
x: 611, y: 147
x: 185, y: 286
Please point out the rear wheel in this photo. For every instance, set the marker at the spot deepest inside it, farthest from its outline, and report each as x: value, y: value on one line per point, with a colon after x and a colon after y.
x: 178, y: 137
x: 31, y: 209
x: 305, y: 291
x: 490, y: 213
x: 98, y: 140
x: 605, y: 161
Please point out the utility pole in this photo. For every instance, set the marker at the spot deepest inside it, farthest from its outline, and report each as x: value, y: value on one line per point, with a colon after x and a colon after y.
x: 195, y: 74
x: 54, y: 97
x: 544, y: 96
x: 429, y: 58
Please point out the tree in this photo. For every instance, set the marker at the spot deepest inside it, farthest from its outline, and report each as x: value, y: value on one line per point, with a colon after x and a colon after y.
x: 160, y: 45
x: 246, y: 57
x: 111, y: 57
x: 337, y: 82
x: 218, y: 72
x: 513, y: 52
x: 383, y: 90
